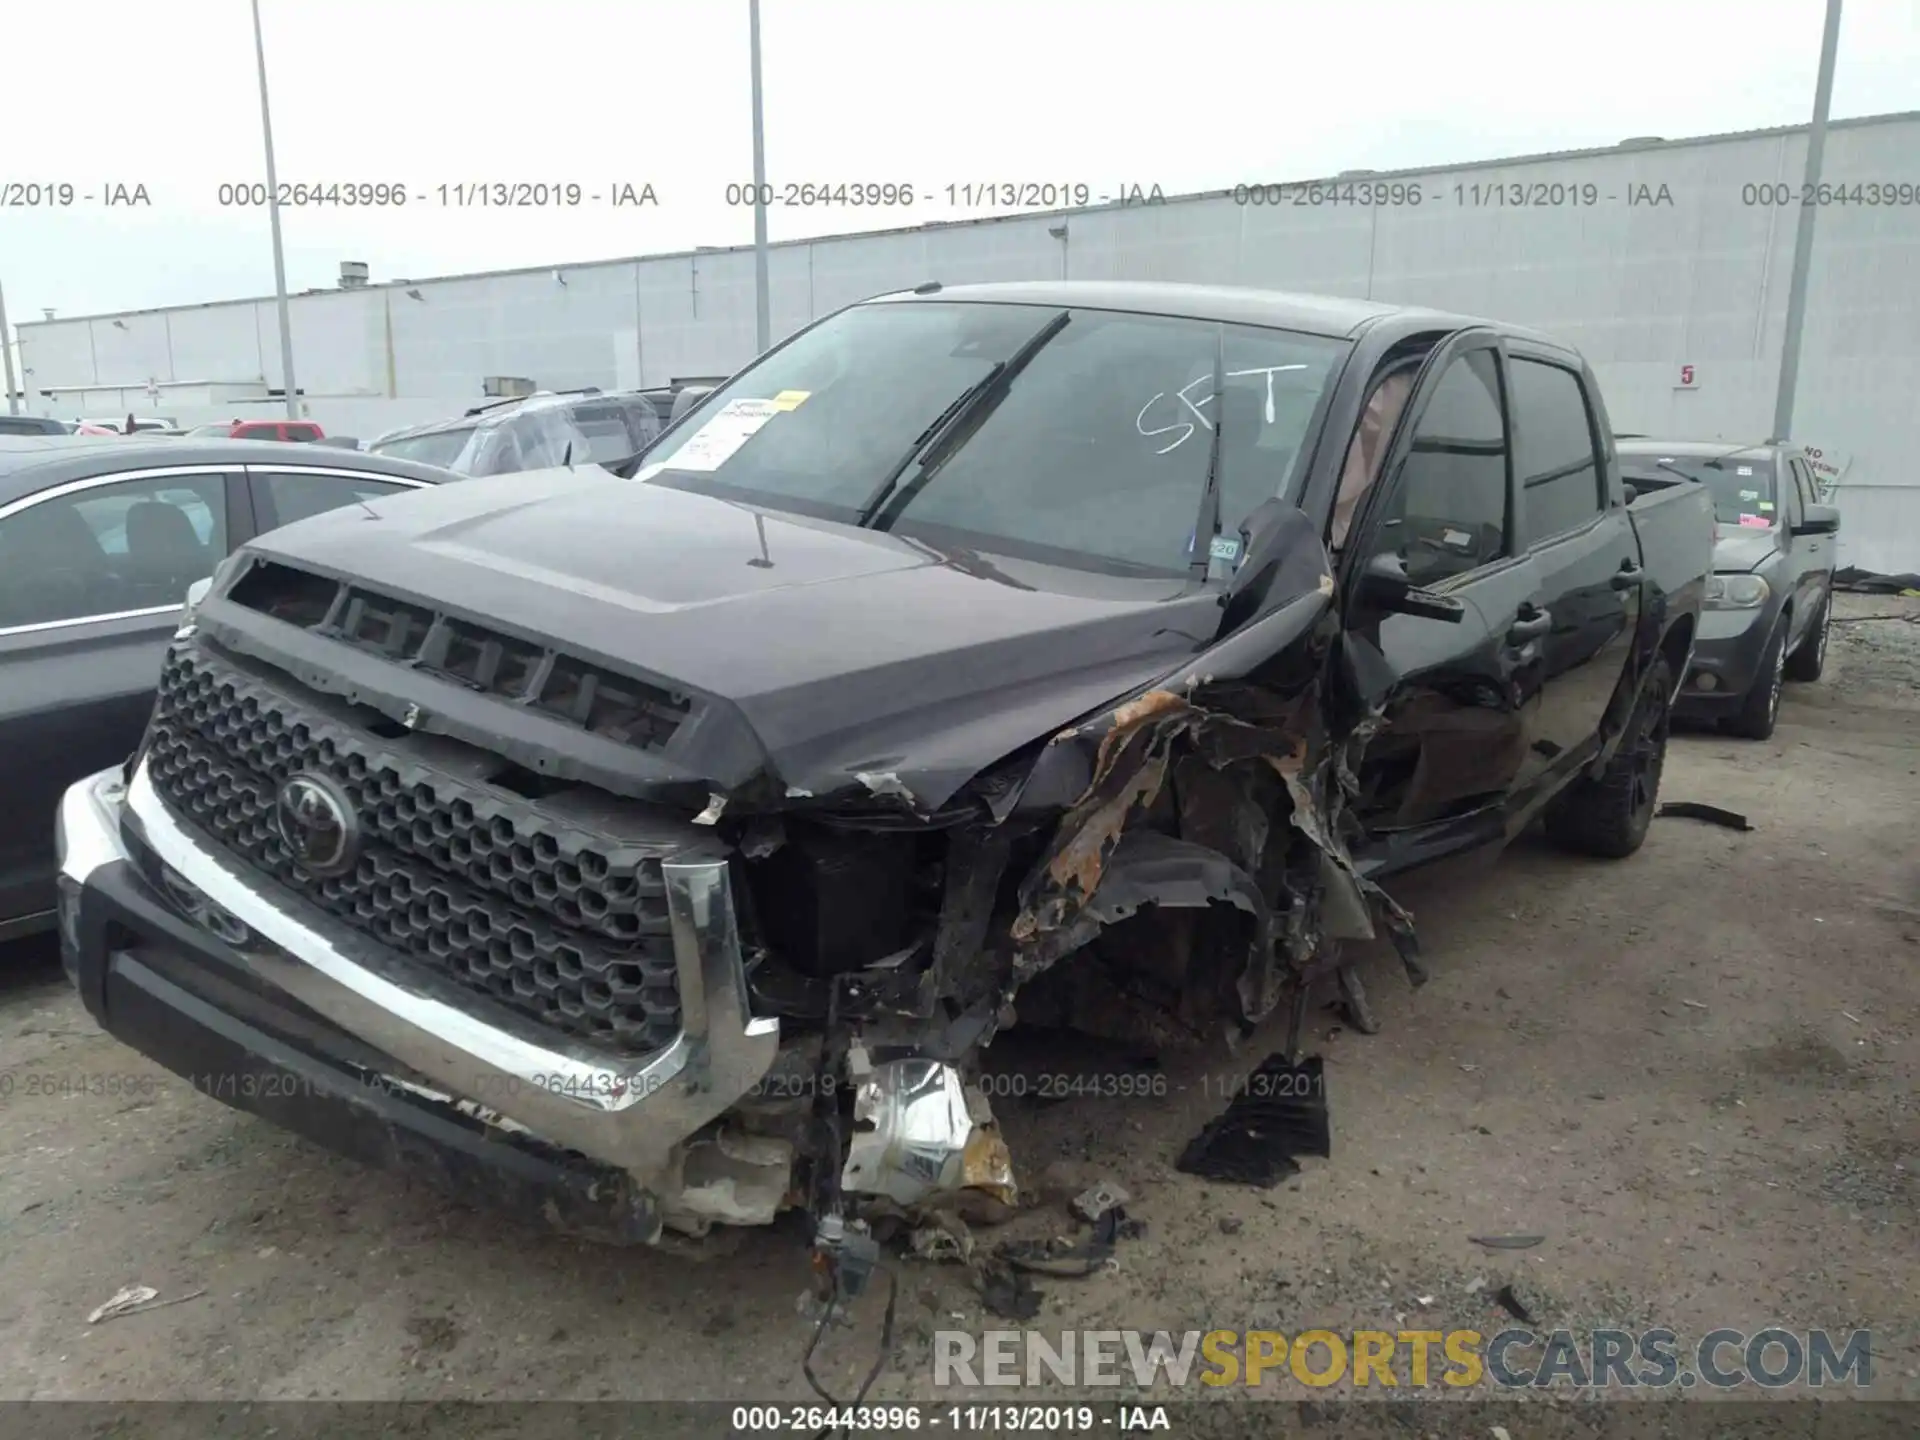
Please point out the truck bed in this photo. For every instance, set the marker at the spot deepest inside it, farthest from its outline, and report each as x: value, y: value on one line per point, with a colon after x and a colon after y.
x: 1675, y: 528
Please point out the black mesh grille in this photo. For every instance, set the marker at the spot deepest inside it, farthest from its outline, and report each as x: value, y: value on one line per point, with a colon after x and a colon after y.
x: 591, y: 696
x: 553, y: 920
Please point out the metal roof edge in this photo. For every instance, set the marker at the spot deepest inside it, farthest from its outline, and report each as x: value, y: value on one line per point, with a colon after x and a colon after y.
x: 1185, y: 197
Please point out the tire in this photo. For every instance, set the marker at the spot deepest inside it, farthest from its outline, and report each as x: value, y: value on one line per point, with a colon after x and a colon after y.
x: 1759, y: 710
x: 1810, y: 656
x: 1607, y: 815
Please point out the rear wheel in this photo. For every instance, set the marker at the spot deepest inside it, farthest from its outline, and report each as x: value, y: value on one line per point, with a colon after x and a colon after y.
x: 1760, y: 710
x: 1607, y: 815
x: 1810, y: 657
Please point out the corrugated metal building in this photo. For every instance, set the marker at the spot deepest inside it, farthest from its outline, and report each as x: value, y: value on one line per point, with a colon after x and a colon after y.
x: 1666, y: 262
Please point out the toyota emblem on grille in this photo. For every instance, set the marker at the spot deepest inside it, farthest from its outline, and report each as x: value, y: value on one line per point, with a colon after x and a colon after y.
x: 317, y: 821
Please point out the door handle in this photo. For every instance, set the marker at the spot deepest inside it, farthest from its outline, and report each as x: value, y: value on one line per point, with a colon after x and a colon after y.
x: 1628, y: 575
x: 1531, y: 625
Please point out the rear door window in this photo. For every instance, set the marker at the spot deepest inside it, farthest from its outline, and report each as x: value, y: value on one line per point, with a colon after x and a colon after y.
x: 1556, y: 451
x: 284, y: 496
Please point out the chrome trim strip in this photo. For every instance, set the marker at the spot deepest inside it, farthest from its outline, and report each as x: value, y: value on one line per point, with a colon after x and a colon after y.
x: 40, y: 625
x: 625, y: 1114
x: 294, y: 467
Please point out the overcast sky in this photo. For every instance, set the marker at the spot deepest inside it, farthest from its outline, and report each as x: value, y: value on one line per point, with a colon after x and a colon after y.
x: 1194, y: 95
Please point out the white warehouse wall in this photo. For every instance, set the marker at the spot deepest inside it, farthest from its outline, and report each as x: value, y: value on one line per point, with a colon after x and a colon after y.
x: 1642, y: 289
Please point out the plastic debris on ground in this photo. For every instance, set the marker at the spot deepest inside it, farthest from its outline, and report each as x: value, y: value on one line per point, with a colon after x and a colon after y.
x: 1510, y: 1302
x: 1096, y: 1200
x: 1068, y: 1259
x: 1008, y: 1293
x: 940, y: 1245
x: 1279, y: 1115
x: 128, y: 1297
x: 1711, y: 814
x: 133, y: 1299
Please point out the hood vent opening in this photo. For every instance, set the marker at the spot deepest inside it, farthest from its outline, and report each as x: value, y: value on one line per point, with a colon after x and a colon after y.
x: 468, y: 652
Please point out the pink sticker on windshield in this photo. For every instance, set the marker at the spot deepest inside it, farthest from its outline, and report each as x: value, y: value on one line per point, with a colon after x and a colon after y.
x: 1760, y: 521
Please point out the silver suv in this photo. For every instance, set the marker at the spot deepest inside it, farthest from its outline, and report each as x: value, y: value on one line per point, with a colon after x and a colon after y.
x: 532, y: 433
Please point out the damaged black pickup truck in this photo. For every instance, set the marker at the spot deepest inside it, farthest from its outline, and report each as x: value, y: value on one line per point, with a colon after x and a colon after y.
x: 656, y: 850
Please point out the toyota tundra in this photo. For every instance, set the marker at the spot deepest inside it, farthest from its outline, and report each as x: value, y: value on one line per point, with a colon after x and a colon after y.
x: 659, y: 849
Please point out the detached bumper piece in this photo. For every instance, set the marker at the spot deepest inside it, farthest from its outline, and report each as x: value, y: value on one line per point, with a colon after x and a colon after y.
x: 271, y: 1007
x: 1278, y: 1114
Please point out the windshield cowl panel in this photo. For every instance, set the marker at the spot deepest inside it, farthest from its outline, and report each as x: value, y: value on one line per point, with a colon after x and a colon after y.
x: 1093, y: 455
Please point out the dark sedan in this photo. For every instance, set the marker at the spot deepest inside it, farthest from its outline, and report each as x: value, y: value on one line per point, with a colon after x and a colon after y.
x: 99, y: 542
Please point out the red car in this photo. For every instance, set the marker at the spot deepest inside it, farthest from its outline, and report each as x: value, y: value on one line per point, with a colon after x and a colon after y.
x: 262, y: 430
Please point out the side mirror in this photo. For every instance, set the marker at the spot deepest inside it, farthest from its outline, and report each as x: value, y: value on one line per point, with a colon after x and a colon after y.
x: 1819, y: 520
x: 1384, y: 586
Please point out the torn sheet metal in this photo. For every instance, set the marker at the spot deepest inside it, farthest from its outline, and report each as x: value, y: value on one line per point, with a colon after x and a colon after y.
x: 1130, y: 768
x: 1064, y: 900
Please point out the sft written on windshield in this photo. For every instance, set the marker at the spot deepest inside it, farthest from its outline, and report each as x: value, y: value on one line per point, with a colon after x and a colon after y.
x: 1184, y: 397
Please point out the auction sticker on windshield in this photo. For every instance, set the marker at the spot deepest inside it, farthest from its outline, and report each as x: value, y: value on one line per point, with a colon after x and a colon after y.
x: 715, y: 442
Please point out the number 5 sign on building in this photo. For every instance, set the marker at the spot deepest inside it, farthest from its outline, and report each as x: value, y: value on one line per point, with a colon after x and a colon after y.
x: 1688, y: 379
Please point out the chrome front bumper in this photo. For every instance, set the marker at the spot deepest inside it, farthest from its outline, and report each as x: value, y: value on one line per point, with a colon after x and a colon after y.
x: 622, y: 1113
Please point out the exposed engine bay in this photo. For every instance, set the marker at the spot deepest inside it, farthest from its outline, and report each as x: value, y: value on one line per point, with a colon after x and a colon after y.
x: 1194, y: 880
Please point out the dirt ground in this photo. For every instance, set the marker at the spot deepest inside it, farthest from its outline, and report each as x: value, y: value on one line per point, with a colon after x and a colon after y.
x: 1692, y: 1072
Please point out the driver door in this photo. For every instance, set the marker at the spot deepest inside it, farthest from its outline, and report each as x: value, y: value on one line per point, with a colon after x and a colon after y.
x: 1459, y: 699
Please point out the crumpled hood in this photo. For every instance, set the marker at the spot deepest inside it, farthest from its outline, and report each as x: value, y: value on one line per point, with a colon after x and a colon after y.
x: 1743, y: 547
x: 845, y: 652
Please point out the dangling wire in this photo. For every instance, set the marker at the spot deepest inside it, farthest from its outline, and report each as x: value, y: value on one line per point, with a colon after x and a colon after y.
x: 841, y: 1432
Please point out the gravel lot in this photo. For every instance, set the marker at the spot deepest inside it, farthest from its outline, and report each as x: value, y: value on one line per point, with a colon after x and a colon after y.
x: 1692, y: 1072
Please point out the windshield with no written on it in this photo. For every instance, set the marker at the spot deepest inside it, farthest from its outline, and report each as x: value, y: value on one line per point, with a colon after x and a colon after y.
x: 1741, y: 483
x: 1094, y: 455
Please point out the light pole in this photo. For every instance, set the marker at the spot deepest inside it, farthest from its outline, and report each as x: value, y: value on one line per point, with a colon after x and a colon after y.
x: 6, y: 349
x: 273, y: 219
x: 762, y: 318
x: 1803, y: 237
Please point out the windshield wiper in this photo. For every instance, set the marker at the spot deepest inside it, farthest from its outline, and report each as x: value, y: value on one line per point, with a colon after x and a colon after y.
x: 935, y: 443
x: 1207, y: 524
